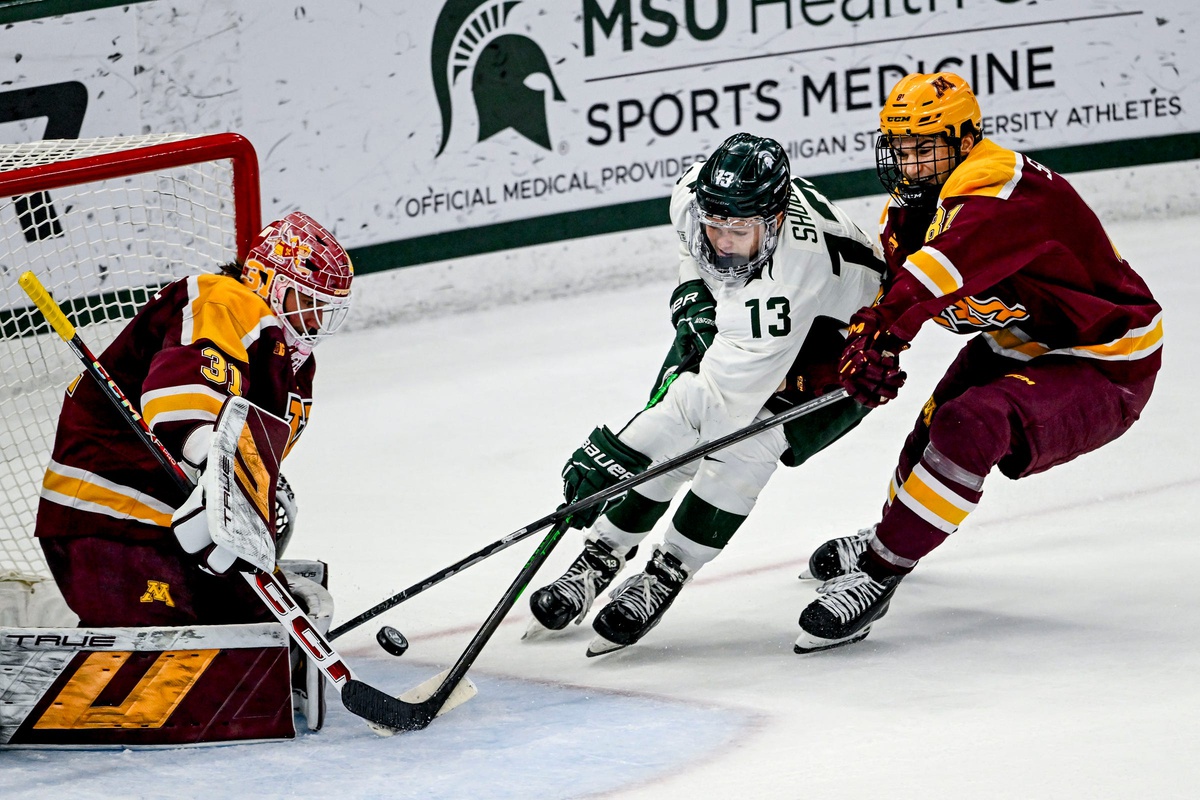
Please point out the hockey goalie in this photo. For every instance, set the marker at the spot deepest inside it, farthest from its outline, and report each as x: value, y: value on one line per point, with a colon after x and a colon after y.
x: 173, y: 646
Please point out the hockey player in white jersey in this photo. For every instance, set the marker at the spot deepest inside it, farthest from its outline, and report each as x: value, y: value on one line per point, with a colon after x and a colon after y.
x: 770, y: 272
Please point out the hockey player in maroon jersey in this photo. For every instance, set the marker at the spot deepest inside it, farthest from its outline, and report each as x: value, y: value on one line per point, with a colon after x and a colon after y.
x: 981, y: 240
x: 105, y: 515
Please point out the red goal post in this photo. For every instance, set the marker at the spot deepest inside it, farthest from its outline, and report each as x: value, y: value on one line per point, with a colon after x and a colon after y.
x: 103, y: 223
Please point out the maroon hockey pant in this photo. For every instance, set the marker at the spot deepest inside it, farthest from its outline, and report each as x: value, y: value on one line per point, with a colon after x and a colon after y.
x: 989, y: 411
x: 111, y: 583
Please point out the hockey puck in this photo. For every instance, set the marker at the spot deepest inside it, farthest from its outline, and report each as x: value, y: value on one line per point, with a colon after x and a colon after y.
x: 392, y: 640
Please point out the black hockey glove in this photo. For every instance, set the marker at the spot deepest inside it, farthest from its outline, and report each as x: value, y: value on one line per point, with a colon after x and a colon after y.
x: 602, y: 460
x: 694, y: 315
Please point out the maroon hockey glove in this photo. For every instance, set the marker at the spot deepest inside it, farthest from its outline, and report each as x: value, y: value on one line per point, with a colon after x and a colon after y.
x: 870, y: 365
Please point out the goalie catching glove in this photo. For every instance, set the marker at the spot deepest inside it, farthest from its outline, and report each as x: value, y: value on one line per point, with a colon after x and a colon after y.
x: 229, y: 520
x: 602, y: 460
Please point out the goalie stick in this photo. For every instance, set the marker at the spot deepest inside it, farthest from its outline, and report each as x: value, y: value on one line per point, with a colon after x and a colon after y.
x: 416, y: 715
x: 270, y: 589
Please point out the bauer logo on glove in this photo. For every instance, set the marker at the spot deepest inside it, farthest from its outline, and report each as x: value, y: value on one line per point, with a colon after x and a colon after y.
x: 600, y: 462
x: 603, y: 461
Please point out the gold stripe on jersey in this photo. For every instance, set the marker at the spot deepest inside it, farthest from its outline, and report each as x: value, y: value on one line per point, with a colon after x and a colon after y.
x: 933, y: 501
x: 988, y: 171
x: 935, y: 271
x: 225, y: 312
x: 1137, y: 343
x: 1013, y: 343
x: 182, y: 403
x: 85, y: 491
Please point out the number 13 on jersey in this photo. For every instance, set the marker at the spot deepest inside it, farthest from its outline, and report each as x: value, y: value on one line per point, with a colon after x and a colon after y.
x: 778, y: 312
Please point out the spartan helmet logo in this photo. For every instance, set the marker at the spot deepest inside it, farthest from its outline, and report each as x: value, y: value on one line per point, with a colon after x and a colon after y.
x: 472, y: 31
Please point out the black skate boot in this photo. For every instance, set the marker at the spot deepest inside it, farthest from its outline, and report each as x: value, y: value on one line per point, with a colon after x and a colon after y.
x: 638, y: 604
x: 844, y: 613
x: 571, y: 596
x: 837, y: 556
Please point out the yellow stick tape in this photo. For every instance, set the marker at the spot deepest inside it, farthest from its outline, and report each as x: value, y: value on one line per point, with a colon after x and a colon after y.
x: 45, y: 303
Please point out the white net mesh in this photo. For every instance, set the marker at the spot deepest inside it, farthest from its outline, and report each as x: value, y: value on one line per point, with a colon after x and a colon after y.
x: 101, y: 247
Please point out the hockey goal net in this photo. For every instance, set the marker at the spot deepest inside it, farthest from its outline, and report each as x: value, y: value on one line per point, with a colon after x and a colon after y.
x: 103, y: 223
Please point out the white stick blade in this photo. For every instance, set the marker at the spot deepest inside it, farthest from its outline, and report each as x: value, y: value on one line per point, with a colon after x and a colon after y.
x: 422, y: 692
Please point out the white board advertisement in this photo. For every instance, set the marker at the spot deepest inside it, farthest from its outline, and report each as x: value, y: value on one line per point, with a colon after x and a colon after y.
x: 418, y: 130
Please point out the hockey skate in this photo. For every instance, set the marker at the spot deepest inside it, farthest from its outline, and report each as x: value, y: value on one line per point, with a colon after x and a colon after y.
x: 638, y: 604
x: 570, y: 597
x: 844, y: 613
x: 837, y: 556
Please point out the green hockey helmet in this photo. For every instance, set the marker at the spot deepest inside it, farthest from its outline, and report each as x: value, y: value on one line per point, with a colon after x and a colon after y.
x: 741, y: 189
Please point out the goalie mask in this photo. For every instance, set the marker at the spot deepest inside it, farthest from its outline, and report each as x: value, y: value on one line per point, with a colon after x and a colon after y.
x: 304, y: 275
x: 734, y: 216
x: 921, y: 127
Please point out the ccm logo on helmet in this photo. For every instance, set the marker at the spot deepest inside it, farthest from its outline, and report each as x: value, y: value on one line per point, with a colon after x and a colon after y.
x: 904, y: 118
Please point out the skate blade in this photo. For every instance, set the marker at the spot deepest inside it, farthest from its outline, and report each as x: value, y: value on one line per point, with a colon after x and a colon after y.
x: 536, y: 631
x: 601, y: 646
x: 807, y: 643
x: 806, y: 575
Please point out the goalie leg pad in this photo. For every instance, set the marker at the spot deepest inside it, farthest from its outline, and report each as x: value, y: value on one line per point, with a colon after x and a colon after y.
x: 305, y: 579
x: 33, y: 601
x: 136, y: 687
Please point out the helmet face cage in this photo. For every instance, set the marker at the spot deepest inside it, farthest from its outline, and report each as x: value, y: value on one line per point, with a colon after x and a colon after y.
x: 314, y: 315
x: 304, y: 275
x: 735, y: 267
x: 920, y: 192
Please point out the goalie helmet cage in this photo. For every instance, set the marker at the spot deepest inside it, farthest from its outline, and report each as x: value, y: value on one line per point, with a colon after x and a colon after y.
x: 103, y: 223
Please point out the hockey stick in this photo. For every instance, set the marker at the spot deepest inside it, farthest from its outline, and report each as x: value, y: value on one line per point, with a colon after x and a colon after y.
x: 416, y: 715
x: 270, y: 589
x: 599, y: 497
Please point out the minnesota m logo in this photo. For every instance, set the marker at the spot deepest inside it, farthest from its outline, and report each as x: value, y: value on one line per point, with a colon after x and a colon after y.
x: 157, y: 590
x: 941, y: 85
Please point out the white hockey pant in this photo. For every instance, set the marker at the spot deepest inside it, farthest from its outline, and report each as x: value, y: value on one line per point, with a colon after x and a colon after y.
x: 729, y: 479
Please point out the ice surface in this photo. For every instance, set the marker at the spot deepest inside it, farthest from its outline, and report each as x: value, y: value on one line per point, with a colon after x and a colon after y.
x: 1050, y: 649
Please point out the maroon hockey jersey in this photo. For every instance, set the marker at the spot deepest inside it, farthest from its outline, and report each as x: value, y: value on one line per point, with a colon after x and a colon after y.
x: 1013, y: 251
x: 198, y: 341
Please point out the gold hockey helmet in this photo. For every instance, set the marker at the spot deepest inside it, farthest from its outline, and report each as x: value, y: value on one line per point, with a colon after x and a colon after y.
x: 927, y: 104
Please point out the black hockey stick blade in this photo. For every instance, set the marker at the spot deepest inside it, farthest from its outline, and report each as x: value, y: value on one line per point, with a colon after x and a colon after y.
x: 366, y: 701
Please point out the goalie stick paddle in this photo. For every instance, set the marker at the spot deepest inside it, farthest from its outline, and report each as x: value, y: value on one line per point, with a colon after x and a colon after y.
x: 271, y: 590
x: 606, y: 494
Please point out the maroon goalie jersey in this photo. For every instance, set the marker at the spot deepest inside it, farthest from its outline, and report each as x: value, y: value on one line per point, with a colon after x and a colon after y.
x: 198, y: 341
x: 1014, y: 252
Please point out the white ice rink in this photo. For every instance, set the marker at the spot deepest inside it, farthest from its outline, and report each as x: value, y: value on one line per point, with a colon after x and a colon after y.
x: 1049, y: 650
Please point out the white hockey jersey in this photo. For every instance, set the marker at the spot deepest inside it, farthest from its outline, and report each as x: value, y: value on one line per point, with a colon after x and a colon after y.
x: 824, y: 266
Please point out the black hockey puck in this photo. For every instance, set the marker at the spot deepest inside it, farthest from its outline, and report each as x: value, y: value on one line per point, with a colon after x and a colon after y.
x: 392, y: 640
